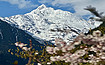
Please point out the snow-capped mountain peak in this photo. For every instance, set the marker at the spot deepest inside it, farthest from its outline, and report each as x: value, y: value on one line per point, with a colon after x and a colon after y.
x: 47, y: 24
x: 41, y: 7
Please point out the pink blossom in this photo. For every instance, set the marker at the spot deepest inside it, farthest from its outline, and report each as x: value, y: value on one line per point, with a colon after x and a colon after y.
x: 63, y: 44
x: 48, y: 63
x: 29, y: 48
x: 49, y: 48
x: 59, y: 42
x: 103, y: 58
x: 89, y: 37
x: 39, y: 64
x: 64, y: 49
x: 57, y: 57
x: 25, y: 48
x: 77, y: 43
x: 97, y: 33
x: 74, y: 57
x: 36, y: 53
x: 17, y: 44
x: 51, y: 52
x: 68, y: 59
x: 70, y: 47
x: 56, y: 49
x: 22, y: 44
x: 61, y: 58
x: 67, y: 54
x: 53, y: 58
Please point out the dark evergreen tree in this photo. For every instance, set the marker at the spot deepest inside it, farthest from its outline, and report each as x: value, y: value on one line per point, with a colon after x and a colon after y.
x: 99, y: 17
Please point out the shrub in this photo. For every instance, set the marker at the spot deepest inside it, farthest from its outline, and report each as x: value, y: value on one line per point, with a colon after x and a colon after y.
x: 84, y: 50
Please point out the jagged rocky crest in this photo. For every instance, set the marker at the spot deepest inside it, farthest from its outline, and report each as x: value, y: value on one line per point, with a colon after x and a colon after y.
x: 47, y: 24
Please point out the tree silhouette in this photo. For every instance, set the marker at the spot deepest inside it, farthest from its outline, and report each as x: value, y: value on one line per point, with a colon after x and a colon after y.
x: 99, y: 17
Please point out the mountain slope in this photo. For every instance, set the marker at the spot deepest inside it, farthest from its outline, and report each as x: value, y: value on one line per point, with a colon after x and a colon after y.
x: 47, y: 24
x: 8, y: 35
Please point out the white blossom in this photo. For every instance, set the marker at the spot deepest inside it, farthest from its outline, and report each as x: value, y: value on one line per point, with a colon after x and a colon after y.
x: 56, y: 49
x: 103, y: 58
x: 39, y: 64
x: 17, y: 44
x: 64, y: 49
x: 97, y: 33
x: 48, y: 63
x: 25, y: 48
x: 99, y: 46
x: 77, y: 43
x: 36, y: 53
x: 21, y: 45
x: 48, y: 49
x: 89, y: 36
x: 103, y: 48
x: 53, y: 58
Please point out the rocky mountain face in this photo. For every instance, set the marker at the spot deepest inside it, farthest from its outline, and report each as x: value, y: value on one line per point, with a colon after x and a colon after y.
x: 8, y: 36
x: 45, y: 23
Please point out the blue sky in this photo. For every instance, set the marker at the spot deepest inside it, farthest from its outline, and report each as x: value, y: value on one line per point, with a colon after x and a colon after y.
x: 14, y: 7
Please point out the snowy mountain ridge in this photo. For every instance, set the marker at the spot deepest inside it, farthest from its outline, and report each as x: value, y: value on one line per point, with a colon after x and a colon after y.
x: 47, y: 24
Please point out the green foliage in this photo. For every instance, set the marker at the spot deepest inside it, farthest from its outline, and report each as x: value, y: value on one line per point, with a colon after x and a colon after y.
x: 101, y: 62
x: 85, y: 63
x: 100, y: 28
x: 60, y: 63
